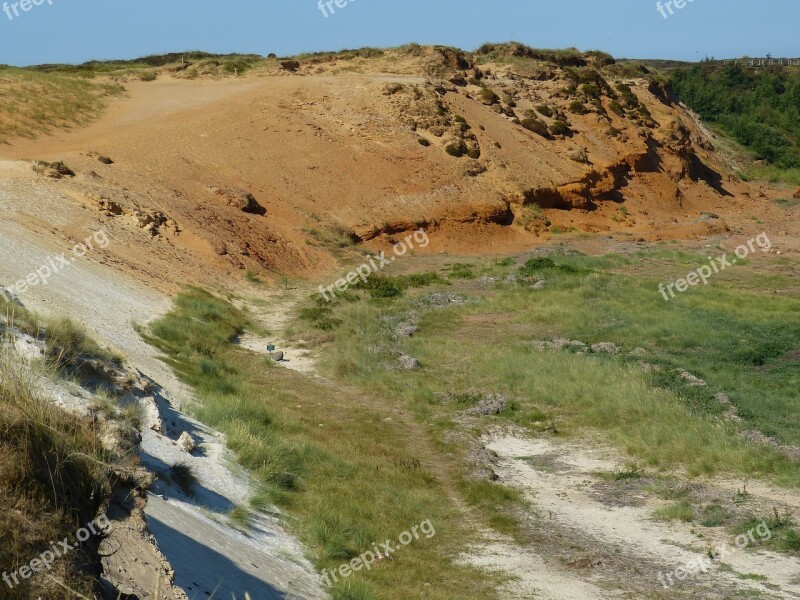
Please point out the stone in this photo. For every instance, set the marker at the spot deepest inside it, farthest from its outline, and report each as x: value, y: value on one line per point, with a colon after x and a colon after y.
x: 186, y: 442
x: 605, y: 347
x: 491, y: 404
x: 408, y: 363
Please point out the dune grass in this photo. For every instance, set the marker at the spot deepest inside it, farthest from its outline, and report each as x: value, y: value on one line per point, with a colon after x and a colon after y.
x: 345, y: 469
x: 34, y: 103
x: 52, y: 482
x: 739, y: 341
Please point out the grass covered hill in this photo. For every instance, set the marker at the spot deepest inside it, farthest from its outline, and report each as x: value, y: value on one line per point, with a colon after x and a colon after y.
x: 760, y: 109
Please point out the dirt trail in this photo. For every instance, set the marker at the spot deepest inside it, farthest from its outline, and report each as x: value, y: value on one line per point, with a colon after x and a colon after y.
x: 273, y: 312
x: 560, y: 479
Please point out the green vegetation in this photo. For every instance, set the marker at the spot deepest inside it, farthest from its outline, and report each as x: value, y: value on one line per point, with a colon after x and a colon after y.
x: 488, y: 96
x: 566, y: 57
x: 560, y: 128
x: 735, y: 339
x: 760, y: 108
x: 146, y: 64
x: 578, y: 107
x: 536, y: 126
x: 56, y: 474
x: 456, y: 149
x: 336, y: 466
x: 680, y: 511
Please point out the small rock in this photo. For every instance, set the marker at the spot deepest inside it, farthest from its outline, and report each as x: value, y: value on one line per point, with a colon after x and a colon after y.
x: 539, y: 284
x: 186, y: 442
x: 605, y: 347
x: 493, y: 404
x: 276, y: 356
x: 561, y: 343
x: 408, y: 363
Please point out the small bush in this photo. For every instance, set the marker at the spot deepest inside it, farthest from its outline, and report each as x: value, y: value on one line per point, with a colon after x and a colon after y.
x: 577, y: 107
x: 545, y: 110
x: 536, y: 126
x: 488, y: 96
x: 617, y: 109
x: 320, y: 317
x: 534, y: 265
x: 456, y: 149
x: 474, y: 152
x: 560, y: 128
x: 424, y: 142
x: 148, y: 76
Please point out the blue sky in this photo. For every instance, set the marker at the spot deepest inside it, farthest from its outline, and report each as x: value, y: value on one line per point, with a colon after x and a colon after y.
x: 79, y: 30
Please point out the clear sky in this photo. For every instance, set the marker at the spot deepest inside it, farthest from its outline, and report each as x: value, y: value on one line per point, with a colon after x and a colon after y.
x: 79, y: 30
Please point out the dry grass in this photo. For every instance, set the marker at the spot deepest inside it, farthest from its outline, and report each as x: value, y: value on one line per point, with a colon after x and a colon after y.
x: 52, y: 482
x: 33, y: 103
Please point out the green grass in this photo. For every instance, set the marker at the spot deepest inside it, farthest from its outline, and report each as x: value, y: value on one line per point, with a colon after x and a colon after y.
x: 680, y: 511
x: 340, y: 466
x: 736, y: 340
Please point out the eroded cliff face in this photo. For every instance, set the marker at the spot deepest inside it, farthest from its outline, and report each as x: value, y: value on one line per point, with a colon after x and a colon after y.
x: 488, y: 151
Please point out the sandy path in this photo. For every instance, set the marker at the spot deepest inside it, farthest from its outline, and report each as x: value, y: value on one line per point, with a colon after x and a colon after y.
x: 562, y: 490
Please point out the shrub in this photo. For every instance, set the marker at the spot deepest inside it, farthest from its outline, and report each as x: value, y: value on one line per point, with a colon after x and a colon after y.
x: 617, y: 109
x: 148, y: 76
x: 628, y: 97
x: 590, y: 90
x: 488, y: 96
x: 536, y: 126
x: 383, y: 287
x: 545, y: 110
x: 759, y: 109
x: 534, y: 265
x: 577, y: 107
x: 320, y: 317
x: 560, y: 128
x: 457, y: 149
x: 424, y: 142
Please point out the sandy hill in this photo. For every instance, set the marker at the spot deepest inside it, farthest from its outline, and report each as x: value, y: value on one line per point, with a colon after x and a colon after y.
x: 275, y: 167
